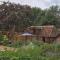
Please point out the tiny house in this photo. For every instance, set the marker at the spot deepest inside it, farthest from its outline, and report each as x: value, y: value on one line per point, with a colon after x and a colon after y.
x: 46, y: 33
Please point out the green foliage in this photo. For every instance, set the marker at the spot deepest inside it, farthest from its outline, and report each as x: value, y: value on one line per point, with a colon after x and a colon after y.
x: 19, y: 17
x: 47, y: 17
x: 3, y: 39
x: 15, y: 15
x: 33, y: 51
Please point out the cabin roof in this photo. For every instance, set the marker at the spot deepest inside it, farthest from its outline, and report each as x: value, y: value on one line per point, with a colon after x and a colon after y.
x: 41, y: 27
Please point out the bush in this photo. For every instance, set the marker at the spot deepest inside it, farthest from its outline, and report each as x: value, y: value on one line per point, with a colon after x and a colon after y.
x: 3, y: 39
x: 33, y: 52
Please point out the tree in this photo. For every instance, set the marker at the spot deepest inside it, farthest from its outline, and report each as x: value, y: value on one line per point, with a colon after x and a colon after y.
x: 36, y: 12
x: 15, y: 15
x: 49, y: 16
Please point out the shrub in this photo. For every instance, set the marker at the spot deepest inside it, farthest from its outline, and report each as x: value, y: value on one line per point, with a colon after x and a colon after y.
x: 33, y: 52
x: 3, y: 39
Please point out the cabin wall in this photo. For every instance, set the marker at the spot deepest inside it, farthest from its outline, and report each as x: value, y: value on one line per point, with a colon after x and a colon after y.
x: 58, y: 39
x: 48, y: 39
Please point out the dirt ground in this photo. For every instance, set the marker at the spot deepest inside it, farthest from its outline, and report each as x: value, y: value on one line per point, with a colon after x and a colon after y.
x: 4, y: 48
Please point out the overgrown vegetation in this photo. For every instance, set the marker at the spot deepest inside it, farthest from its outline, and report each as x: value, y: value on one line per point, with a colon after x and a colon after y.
x: 32, y: 51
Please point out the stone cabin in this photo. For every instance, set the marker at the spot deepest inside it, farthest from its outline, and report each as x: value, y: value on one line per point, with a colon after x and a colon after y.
x: 48, y: 33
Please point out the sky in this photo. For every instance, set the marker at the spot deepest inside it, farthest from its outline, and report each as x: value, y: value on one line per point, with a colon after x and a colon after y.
x: 37, y: 3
